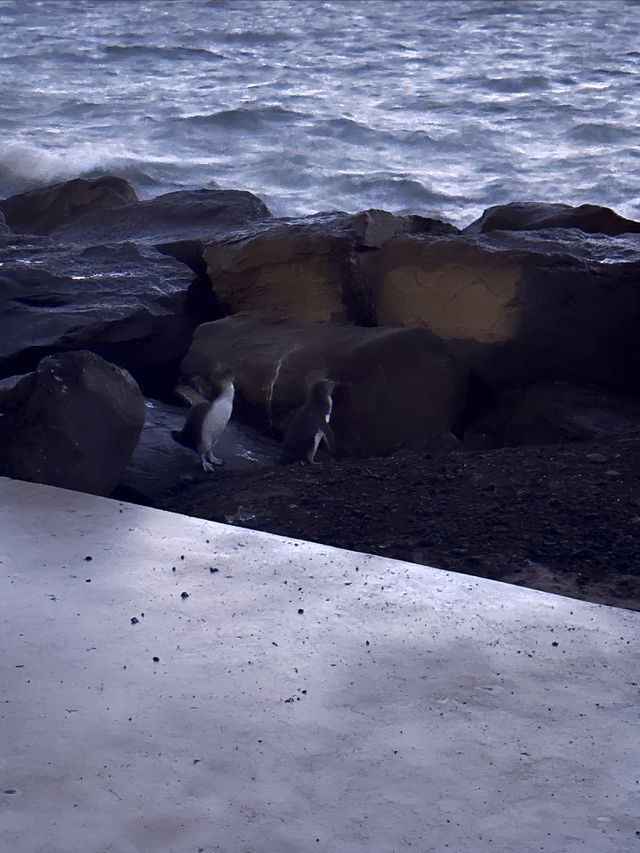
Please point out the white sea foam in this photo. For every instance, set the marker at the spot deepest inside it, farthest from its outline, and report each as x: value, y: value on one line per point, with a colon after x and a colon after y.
x: 22, y: 162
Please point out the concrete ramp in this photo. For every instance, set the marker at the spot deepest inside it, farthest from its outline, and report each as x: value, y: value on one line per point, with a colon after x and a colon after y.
x: 172, y: 684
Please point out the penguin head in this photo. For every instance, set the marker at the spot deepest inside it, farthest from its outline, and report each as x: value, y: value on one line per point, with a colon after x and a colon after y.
x: 322, y: 390
x: 201, y: 385
x: 225, y: 377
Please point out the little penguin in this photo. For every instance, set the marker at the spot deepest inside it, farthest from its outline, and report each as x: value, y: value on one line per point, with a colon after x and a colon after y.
x: 310, y: 426
x: 209, y: 415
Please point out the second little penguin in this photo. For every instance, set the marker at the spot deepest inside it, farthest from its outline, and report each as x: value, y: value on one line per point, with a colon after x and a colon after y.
x: 310, y: 426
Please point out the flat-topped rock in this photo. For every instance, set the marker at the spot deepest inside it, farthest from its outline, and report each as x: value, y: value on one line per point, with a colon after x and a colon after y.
x: 298, y: 698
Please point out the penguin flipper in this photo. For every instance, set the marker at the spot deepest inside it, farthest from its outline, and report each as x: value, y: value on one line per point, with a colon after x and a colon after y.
x: 188, y: 395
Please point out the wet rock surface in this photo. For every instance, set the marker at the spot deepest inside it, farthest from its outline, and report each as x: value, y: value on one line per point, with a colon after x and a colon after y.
x: 159, y: 463
x: 123, y: 301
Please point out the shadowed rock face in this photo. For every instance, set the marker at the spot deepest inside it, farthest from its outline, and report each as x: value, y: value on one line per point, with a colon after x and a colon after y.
x: 533, y: 216
x: 307, y: 269
x: 395, y: 387
x: 74, y: 423
x: 553, y: 412
x: 516, y: 313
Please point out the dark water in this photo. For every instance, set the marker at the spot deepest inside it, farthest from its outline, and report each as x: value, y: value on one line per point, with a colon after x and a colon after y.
x: 436, y: 107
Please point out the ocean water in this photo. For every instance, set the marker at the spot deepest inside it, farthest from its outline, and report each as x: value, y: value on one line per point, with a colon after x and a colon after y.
x: 441, y: 108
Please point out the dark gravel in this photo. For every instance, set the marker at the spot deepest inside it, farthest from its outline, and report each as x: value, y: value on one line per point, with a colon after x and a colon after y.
x: 562, y: 518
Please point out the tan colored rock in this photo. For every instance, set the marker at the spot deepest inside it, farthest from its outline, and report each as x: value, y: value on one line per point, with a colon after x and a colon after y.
x: 396, y: 387
x: 306, y: 269
x: 516, y: 313
x: 287, y: 272
x: 451, y: 287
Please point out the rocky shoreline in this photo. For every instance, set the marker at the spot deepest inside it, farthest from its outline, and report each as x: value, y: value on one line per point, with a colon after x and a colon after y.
x: 486, y: 414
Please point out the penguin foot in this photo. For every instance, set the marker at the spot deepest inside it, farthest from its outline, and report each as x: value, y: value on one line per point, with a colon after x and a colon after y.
x: 206, y: 465
x: 215, y: 460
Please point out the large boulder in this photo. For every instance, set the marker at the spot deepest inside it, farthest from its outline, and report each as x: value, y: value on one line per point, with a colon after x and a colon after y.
x: 534, y: 216
x: 107, y: 210
x: 73, y: 423
x: 550, y: 413
x: 517, y: 311
x: 396, y: 387
x: 44, y: 210
x: 124, y: 302
x: 307, y: 269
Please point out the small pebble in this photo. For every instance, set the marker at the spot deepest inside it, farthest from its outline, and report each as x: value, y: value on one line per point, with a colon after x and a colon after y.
x: 156, y: 659
x: 300, y: 611
x: 213, y: 570
x: 184, y: 595
x: 134, y: 620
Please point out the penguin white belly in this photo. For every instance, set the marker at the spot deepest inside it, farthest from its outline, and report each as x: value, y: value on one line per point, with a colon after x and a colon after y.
x: 317, y: 438
x: 215, y: 421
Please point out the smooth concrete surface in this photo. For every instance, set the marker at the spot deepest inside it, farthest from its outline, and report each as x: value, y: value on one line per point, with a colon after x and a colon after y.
x: 304, y: 698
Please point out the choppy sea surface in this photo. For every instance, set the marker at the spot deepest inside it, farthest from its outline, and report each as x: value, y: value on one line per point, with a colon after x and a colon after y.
x: 442, y: 108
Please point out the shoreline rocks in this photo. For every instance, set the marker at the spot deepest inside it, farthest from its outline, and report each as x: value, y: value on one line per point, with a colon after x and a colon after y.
x: 435, y: 335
